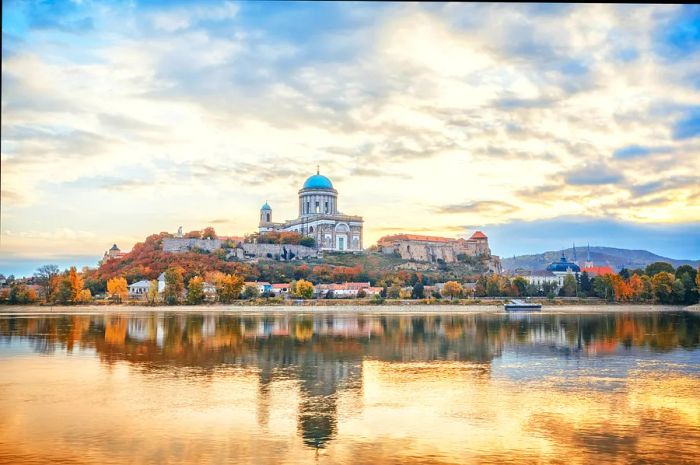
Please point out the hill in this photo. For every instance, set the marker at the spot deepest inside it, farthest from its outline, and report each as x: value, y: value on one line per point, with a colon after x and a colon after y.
x: 615, y: 258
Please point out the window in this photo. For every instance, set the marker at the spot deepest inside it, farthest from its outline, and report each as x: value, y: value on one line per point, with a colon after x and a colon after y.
x: 308, y: 207
x: 326, y: 206
x: 318, y: 208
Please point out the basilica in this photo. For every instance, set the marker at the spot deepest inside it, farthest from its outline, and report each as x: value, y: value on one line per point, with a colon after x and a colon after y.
x: 319, y: 218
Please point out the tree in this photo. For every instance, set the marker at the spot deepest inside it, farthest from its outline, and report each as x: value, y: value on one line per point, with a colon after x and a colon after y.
x: 195, y: 291
x: 152, y: 293
x: 405, y: 293
x: 229, y: 288
x: 393, y: 291
x: 602, y: 287
x: 209, y: 233
x: 118, y: 289
x: 302, y: 289
x: 636, y: 286
x: 658, y: 267
x: 76, y: 284
x: 586, y: 286
x: 452, y: 289
x: 663, y: 286
x: 43, y: 276
x: 678, y: 291
x: 417, y: 291
x: 520, y: 284
x: 84, y: 297
x: 174, y: 285
x: 361, y: 294
x: 21, y: 294
x: 307, y: 241
x: 250, y: 292
x: 568, y: 288
x: 697, y: 279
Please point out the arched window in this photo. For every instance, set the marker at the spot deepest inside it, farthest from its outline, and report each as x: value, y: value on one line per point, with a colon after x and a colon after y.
x: 268, y: 217
x: 311, y: 229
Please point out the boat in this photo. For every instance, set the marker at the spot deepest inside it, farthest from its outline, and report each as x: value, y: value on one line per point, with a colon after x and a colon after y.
x: 516, y: 305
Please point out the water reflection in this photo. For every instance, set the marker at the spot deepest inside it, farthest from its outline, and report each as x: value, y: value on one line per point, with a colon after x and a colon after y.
x: 368, y: 387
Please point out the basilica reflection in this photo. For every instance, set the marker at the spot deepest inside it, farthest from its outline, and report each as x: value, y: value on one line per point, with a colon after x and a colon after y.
x: 324, y: 354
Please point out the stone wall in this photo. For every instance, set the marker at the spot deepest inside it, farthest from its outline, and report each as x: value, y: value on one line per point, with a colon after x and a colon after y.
x: 278, y: 250
x: 184, y: 244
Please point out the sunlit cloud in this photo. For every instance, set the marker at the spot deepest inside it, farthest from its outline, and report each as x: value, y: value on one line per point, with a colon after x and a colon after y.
x: 125, y: 119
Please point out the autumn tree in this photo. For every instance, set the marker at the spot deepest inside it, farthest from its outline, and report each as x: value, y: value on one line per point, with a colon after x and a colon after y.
x: 452, y: 289
x: 636, y: 287
x: 195, y: 291
x: 174, y: 285
x: 229, y: 288
x: 76, y: 284
x: 302, y: 289
x: 520, y: 284
x: 209, y: 233
x: 118, y: 289
x: 21, y: 294
x: 152, y: 293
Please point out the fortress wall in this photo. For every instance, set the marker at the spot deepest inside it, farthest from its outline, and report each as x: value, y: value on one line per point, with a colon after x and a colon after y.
x: 184, y: 244
x: 261, y: 250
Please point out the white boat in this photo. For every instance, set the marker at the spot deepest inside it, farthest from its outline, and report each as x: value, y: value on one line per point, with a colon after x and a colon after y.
x: 516, y: 305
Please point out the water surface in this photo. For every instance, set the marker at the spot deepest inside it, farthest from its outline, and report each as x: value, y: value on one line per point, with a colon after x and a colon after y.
x: 169, y: 387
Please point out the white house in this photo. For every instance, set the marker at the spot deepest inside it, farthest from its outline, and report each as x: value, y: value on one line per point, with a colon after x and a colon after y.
x: 139, y: 289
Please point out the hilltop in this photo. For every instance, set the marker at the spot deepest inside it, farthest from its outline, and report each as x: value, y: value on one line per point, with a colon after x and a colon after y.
x: 615, y: 258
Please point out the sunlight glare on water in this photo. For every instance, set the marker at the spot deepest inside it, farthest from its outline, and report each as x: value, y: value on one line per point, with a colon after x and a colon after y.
x: 169, y: 387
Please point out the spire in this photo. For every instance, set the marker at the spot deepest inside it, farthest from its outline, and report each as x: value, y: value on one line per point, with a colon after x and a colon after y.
x: 574, y: 252
x: 318, y: 169
x: 588, y: 255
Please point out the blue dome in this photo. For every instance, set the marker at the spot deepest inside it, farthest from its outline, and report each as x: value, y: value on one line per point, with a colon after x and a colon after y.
x: 563, y: 265
x: 318, y: 181
x: 266, y: 207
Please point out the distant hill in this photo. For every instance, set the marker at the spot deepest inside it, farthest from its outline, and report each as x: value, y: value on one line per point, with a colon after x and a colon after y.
x: 615, y: 258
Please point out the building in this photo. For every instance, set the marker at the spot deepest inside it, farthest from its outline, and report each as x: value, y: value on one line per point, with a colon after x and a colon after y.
x: 344, y: 290
x: 319, y: 218
x: 554, y: 273
x: 436, y: 249
x: 139, y: 289
x: 112, y: 254
x: 261, y: 286
x: 594, y: 271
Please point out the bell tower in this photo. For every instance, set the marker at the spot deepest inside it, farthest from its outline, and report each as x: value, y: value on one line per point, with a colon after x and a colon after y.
x: 265, y: 218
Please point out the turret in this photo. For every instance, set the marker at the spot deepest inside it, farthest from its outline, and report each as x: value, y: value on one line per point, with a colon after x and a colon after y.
x: 265, y: 218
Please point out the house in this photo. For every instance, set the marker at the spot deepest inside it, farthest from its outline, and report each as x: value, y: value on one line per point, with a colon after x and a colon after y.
x: 209, y: 292
x: 262, y: 286
x: 344, y: 290
x: 281, y: 289
x: 139, y: 289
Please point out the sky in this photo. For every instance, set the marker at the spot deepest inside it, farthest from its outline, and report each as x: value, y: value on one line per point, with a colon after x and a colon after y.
x: 541, y: 125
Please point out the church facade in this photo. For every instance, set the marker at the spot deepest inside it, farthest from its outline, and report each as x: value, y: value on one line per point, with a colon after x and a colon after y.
x: 319, y: 218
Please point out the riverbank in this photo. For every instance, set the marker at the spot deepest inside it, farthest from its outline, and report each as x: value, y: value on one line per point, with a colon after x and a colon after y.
x: 432, y: 308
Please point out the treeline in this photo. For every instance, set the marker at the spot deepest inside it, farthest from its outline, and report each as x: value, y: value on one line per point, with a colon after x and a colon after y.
x: 281, y: 237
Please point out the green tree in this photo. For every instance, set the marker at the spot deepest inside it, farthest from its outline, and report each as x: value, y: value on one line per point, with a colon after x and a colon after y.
x: 658, y: 267
x: 307, y: 241
x: 663, y: 286
x: 250, y: 292
x: 568, y: 288
x: 678, y: 291
x: 21, y: 294
x: 417, y: 291
x: 586, y: 286
x: 195, y: 291
x: 603, y: 287
x: 174, y: 285
x: 520, y: 284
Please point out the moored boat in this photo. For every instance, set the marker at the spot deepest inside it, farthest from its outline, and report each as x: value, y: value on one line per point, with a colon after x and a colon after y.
x: 516, y: 305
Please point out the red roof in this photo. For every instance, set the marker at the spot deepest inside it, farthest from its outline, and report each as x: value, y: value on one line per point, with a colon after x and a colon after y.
x: 478, y: 235
x: 598, y: 270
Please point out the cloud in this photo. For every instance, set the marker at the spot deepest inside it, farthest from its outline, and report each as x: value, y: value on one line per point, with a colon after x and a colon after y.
x: 490, y: 207
x: 176, y: 19
x: 593, y: 174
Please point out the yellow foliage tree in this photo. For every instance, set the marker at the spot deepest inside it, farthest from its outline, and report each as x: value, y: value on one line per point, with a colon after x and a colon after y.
x: 85, y: 296
x: 229, y: 287
x: 452, y: 289
x: 302, y: 289
x: 118, y: 288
